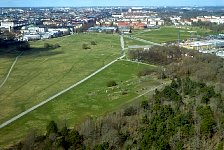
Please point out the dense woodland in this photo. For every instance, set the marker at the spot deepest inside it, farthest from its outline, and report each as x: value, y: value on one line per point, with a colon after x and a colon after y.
x: 183, y: 62
x: 186, y: 114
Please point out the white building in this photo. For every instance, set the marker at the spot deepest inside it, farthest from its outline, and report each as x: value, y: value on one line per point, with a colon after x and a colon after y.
x: 29, y: 37
x: 7, y: 24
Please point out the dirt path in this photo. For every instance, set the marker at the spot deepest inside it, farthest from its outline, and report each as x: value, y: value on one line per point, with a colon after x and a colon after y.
x: 10, y: 70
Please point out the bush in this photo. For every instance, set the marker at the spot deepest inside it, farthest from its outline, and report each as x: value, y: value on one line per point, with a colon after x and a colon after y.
x: 145, y: 72
x: 145, y: 105
x: 56, y: 45
x: 205, y: 99
x: 130, y: 111
x: 46, y: 45
x: 85, y: 46
x: 93, y: 43
x: 111, y: 83
x: 52, y: 128
x: 23, y: 46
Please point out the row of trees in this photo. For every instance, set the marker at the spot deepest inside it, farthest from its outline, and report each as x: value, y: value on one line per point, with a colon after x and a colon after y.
x: 183, y: 62
x: 54, y: 138
x: 217, y: 28
x: 14, y: 45
x: 205, y: 67
x: 158, y: 55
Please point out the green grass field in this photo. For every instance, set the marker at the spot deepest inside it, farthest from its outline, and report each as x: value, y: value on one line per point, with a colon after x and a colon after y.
x: 40, y: 73
x: 169, y: 34
x: 92, y: 98
x: 129, y: 42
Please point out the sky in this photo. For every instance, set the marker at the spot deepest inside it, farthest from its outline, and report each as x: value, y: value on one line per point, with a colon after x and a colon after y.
x: 71, y: 3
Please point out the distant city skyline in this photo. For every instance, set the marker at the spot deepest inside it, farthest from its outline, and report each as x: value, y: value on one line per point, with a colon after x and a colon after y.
x: 74, y: 3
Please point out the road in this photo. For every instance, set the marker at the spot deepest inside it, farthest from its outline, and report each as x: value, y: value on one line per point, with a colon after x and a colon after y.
x: 142, y: 40
x: 10, y: 70
x: 56, y: 95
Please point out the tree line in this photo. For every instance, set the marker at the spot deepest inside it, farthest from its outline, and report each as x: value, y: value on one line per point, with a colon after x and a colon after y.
x: 182, y: 62
x: 217, y: 28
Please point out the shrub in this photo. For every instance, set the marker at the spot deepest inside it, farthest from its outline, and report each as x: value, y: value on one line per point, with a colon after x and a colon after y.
x: 111, y: 83
x: 23, y: 46
x: 93, y: 43
x: 56, y: 45
x: 145, y: 105
x: 85, y: 46
x: 145, y: 72
x: 124, y: 92
x: 46, y: 45
x: 205, y: 99
x: 52, y: 128
x: 130, y: 111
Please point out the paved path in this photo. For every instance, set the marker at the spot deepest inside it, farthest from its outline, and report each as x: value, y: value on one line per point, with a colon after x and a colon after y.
x: 142, y: 40
x: 56, y: 95
x: 10, y: 70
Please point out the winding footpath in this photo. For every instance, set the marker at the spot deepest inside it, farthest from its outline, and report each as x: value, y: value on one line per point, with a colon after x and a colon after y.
x: 63, y: 91
x: 10, y: 70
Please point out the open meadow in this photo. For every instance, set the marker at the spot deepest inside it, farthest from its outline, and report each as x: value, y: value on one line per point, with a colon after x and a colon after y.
x: 91, y: 98
x: 42, y: 72
x: 169, y: 34
x: 131, y: 42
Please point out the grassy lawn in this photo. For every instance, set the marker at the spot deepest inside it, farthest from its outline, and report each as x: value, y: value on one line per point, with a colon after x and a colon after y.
x: 41, y: 73
x: 92, y: 98
x: 169, y: 34
x: 129, y: 42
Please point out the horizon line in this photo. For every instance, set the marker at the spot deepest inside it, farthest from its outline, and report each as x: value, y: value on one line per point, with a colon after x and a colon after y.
x: 106, y: 6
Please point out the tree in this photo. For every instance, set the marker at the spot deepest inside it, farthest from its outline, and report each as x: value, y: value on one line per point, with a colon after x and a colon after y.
x: 207, y: 121
x: 145, y: 105
x: 22, y: 46
x: 104, y: 146
x: 74, y: 139
x: 130, y: 111
x: 52, y: 128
